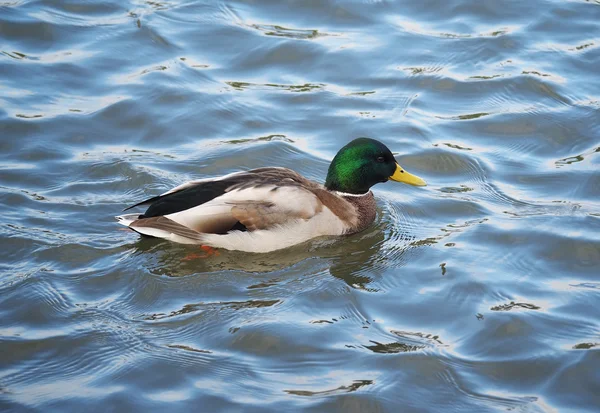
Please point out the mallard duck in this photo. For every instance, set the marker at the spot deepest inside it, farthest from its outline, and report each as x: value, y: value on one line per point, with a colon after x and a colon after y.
x: 267, y: 209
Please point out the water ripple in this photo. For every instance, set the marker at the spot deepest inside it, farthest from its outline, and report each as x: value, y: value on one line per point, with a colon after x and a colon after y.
x: 478, y: 292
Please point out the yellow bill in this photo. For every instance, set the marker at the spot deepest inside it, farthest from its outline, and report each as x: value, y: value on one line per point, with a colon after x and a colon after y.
x: 400, y: 175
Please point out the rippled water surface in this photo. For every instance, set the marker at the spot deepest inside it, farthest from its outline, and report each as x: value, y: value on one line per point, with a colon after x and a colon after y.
x: 479, y: 292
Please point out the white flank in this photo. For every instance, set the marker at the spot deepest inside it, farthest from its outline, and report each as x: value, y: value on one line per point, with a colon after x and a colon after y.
x: 284, y: 236
x: 295, y: 201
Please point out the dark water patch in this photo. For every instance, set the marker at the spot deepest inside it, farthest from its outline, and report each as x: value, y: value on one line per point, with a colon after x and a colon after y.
x: 453, y: 190
x: 362, y: 93
x: 356, y: 384
x: 512, y: 306
x: 188, y: 348
x: 485, y: 77
x: 587, y: 285
x: 455, y: 146
x: 298, y: 34
x: 290, y: 88
x: 391, y: 348
x: 268, y: 138
x: 576, y: 158
x: 469, y: 116
x: 192, y: 308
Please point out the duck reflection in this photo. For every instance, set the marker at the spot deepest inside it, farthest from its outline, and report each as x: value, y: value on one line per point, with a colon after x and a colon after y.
x: 355, y: 259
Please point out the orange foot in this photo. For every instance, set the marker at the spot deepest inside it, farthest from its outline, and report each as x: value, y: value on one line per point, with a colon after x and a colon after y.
x: 209, y: 251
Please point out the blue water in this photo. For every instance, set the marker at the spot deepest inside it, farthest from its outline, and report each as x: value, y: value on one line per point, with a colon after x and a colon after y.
x: 479, y: 292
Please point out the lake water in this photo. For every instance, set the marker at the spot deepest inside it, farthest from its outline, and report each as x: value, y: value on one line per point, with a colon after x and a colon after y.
x: 479, y: 292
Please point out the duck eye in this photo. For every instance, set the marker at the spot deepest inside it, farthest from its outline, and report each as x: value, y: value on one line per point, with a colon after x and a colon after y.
x: 380, y: 159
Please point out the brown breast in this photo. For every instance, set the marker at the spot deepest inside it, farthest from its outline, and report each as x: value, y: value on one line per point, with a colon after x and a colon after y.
x: 366, y: 210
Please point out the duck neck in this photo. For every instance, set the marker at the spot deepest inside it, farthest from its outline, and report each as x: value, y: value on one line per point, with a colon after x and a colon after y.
x: 365, y: 207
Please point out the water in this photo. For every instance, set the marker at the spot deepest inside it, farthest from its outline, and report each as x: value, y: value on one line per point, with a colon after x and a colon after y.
x: 479, y: 292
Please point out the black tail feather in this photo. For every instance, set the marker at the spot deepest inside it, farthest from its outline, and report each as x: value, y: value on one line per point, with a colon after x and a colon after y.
x: 146, y: 202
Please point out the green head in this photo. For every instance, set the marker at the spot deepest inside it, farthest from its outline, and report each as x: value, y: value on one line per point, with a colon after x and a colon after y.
x: 363, y: 163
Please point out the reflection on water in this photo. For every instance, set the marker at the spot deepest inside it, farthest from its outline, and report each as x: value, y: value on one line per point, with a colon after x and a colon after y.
x: 477, y: 293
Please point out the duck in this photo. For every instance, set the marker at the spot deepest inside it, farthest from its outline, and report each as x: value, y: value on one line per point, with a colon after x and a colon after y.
x: 271, y: 208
